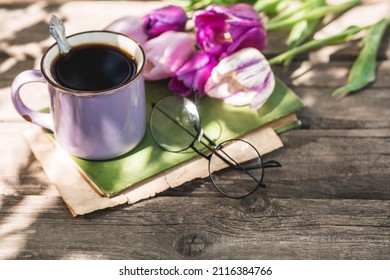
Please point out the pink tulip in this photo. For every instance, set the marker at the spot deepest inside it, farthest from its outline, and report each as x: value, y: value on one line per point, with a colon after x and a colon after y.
x: 224, y: 30
x: 130, y: 26
x: 166, y: 53
x: 193, y: 74
x: 242, y: 78
x: 169, y: 18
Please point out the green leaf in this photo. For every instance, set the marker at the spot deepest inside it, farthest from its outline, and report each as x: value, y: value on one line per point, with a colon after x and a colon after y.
x: 291, y: 12
x: 363, y: 70
x: 341, y: 37
x: 314, y: 14
x: 270, y: 6
x: 304, y: 29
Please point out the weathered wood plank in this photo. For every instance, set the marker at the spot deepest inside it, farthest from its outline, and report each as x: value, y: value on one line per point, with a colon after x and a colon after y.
x: 167, y: 228
x: 328, y: 75
x: 366, y: 109
x: 20, y: 172
x: 333, y: 164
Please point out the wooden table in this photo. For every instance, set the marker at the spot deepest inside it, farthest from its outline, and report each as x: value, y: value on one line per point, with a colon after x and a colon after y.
x: 331, y: 199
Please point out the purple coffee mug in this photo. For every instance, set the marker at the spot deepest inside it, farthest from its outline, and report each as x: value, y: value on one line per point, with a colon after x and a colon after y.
x: 93, y: 125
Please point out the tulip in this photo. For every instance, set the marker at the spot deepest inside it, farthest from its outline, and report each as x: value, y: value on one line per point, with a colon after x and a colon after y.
x: 130, y: 26
x: 224, y: 30
x: 166, y: 54
x: 165, y: 19
x: 242, y: 78
x: 193, y: 74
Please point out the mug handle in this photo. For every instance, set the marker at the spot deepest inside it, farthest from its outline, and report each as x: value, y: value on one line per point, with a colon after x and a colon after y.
x: 30, y: 76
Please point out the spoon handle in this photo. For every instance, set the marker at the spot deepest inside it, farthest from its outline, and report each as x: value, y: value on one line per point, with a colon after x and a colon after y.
x: 57, y: 30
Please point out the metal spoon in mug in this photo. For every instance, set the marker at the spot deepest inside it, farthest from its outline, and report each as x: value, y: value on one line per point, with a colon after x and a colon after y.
x: 57, y: 30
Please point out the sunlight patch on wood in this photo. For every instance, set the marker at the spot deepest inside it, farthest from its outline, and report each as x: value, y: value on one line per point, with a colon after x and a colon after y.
x: 16, y: 20
x: 14, y: 228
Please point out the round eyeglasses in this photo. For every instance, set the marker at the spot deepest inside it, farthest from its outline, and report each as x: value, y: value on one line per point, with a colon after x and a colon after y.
x: 175, y: 126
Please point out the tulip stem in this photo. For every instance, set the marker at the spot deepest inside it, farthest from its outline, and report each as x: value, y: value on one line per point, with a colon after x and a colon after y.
x: 291, y: 12
x: 317, y: 13
x: 270, y: 6
x: 341, y: 37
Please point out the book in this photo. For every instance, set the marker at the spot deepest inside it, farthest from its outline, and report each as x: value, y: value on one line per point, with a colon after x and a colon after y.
x: 87, y: 186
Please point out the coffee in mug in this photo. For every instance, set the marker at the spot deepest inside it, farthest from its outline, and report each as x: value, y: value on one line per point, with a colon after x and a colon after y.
x: 94, y: 67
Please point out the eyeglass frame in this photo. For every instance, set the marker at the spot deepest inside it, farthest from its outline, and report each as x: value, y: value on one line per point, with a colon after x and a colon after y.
x: 214, y: 148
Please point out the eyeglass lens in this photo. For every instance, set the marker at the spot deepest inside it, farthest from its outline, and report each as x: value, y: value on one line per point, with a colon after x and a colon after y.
x: 175, y: 123
x: 236, y: 168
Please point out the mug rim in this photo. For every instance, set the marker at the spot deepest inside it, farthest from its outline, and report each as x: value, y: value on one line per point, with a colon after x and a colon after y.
x: 94, y: 92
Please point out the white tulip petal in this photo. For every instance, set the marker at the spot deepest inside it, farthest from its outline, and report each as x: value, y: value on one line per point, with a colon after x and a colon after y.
x: 239, y: 60
x: 258, y: 101
x: 241, y: 98
x: 251, y: 77
x: 242, y: 78
x: 219, y: 92
x: 263, y: 96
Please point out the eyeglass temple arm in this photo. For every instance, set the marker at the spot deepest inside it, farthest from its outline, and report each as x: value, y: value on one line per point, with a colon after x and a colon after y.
x: 196, y: 95
x: 267, y: 164
x: 199, y: 152
x: 272, y: 164
x: 230, y: 161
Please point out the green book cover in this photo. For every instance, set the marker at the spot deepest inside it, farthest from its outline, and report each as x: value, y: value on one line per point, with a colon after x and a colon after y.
x: 219, y: 120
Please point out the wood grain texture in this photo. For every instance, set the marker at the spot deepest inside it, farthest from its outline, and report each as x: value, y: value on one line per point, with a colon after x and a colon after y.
x: 255, y: 228
x: 330, y: 200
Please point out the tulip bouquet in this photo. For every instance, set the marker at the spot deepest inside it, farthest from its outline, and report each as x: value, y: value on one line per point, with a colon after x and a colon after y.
x: 220, y: 58
x: 220, y: 55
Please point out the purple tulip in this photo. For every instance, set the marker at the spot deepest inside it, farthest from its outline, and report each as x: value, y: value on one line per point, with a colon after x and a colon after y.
x: 166, y: 54
x: 193, y: 74
x: 130, y: 26
x: 242, y: 78
x: 165, y: 19
x: 224, y: 30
